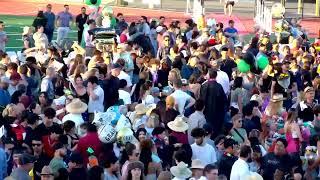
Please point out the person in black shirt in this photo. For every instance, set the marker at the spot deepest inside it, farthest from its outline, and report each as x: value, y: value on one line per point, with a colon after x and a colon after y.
x: 305, y: 108
x: 81, y: 19
x: 32, y: 121
x: 284, y: 82
x: 42, y: 159
x: 111, y: 86
x: 228, y: 158
x: 76, y: 169
x: 40, y: 20
x: 250, y: 121
x: 44, y: 128
x: 276, y: 161
x: 227, y: 64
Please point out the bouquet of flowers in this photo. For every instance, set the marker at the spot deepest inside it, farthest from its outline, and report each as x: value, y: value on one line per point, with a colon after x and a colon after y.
x: 283, y: 76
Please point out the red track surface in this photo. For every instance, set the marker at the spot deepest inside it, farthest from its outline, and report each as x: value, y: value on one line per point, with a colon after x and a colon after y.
x: 244, y: 25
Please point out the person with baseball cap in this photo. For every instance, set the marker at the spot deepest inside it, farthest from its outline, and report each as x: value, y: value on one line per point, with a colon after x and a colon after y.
x: 77, y: 170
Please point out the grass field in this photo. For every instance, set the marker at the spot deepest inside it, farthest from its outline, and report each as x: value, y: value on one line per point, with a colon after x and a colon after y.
x: 14, y: 29
x: 15, y: 24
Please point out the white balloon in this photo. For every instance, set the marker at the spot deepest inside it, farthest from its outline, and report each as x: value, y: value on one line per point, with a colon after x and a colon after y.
x: 123, y: 122
x: 101, y: 118
x: 107, y: 133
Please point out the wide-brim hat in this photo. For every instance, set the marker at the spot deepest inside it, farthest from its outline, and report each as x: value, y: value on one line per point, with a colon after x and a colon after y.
x: 253, y: 176
x: 150, y: 108
x: 46, y: 170
x: 140, y: 109
x: 76, y: 106
x: 258, y: 98
x: 197, y: 164
x: 277, y: 98
x: 308, y: 89
x: 181, y: 171
x: 178, y: 125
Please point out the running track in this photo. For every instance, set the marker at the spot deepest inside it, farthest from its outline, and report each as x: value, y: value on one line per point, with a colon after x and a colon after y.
x: 244, y: 25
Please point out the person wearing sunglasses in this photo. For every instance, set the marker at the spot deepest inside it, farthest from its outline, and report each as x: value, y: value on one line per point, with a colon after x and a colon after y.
x: 38, y: 152
x: 164, y: 49
x: 237, y: 132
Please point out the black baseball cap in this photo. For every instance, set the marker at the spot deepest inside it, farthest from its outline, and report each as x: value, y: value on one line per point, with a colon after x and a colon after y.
x: 26, y: 158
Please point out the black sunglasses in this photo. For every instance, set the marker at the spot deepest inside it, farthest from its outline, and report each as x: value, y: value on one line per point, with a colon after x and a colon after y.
x: 36, y: 144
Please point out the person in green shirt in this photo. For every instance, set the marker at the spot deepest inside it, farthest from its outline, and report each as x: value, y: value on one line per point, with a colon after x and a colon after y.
x: 57, y: 162
x: 237, y: 132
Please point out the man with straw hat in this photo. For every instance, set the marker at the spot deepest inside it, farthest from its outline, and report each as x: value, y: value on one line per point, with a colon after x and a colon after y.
x: 75, y: 110
x: 181, y: 171
x: 46, y: 173
x: 197, y: 170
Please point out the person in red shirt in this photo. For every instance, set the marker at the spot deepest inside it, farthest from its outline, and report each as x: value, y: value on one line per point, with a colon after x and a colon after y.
x: 91, y: 139
x: 50, y: 140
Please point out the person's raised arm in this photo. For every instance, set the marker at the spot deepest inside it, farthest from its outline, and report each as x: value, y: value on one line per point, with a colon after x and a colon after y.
x: 92, y: 94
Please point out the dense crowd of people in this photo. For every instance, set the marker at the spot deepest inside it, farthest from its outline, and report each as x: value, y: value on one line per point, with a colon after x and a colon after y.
x: 164, y: 100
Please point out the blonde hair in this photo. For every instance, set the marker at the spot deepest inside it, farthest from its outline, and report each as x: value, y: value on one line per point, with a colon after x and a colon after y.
x: 80, y: 69
x: 170, y: 101
x: 91, y: 72
x: 292, y: 116
x: 8, y: 110
x: 176, y: 73
x: 236, y: 117
x: 274, y: 108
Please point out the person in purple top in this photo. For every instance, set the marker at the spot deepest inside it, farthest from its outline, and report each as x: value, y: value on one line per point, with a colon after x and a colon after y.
x: 63, y: 23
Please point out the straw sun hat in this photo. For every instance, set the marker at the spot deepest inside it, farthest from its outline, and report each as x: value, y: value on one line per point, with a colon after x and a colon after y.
x: 181, y: 171
x: 277, y: 98
x: 76, y: 106
x: 178, y: 125
x: 140, y: 109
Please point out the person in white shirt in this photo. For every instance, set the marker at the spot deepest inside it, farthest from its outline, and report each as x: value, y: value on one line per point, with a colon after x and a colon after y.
x: 182, y: 99
x: 200, y: 149
x: 90, y: 47
x: 47, y: 84
x: 196, y: 119
x: 124, y: 75
x: 40, y: 38
x: 222, y: 77
x: 96, y: 96
x: 75, y: 109
x: 123, y: 94
x: 240, y: 168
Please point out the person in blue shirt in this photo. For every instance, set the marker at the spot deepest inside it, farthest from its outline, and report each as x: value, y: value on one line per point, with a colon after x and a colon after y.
x: 4, y: 94
x: 3, y: 161
x: 49, y: 28
x: 231, y: 31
